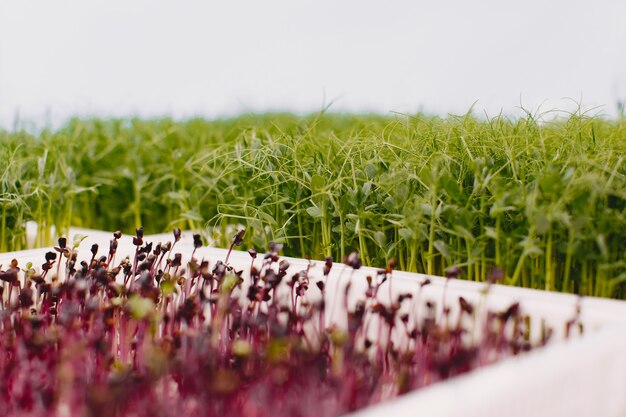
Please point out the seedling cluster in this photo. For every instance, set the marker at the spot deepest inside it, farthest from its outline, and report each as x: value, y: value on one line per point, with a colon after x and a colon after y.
x: 542, y: 200
x: 171, y: 334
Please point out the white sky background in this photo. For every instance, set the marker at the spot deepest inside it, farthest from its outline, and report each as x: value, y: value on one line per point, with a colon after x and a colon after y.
x: 185, y: 58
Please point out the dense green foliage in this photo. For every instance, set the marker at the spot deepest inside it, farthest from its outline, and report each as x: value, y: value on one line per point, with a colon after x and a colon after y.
x: 546, y: 201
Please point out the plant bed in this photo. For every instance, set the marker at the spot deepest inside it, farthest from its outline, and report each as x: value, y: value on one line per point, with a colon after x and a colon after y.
x: 542, y: 199
x: 252, y: 334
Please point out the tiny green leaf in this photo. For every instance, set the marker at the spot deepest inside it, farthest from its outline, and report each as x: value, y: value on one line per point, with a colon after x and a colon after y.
x: 314, y: 211
x: 317, y: 183
x: 140, y: 307
x: 78, y: 238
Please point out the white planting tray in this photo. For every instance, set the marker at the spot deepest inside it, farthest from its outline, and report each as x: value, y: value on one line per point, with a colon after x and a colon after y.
x: 584, y: 376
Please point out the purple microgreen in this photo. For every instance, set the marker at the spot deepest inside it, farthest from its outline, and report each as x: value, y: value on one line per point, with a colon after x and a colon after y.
x: 199, y: 338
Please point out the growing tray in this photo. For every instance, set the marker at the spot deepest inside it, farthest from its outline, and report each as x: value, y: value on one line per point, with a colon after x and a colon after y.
x: 582, y: 376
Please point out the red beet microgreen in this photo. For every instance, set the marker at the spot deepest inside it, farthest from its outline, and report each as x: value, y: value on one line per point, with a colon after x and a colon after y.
x: 158, y: 336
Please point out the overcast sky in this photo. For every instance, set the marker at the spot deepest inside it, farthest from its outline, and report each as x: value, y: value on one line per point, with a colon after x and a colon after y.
x: 184, y: 58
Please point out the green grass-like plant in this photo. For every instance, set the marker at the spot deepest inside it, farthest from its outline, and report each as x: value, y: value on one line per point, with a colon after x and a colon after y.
x: 543, y: 200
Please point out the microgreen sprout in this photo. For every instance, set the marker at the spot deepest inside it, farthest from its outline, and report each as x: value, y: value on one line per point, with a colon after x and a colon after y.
x: 155, y: 337
x: 541, y: 199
